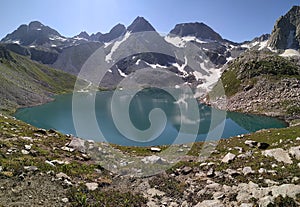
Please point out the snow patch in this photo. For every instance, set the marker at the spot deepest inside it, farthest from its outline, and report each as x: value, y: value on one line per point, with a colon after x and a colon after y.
x: 181, y: 67
x: 155, y: 65
x: 181, y: 41
x: 263, y: 45
x: 176, y: 41
x: 121, y: 73
x: 290, y: 53
x: 16, y: 42
x: 108, y: 57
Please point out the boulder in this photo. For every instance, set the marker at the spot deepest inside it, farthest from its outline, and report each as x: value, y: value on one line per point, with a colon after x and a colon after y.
x: 248, y: 170
x: 251, y: 143
x: 186, y: 170
x: 78, y: 144
x: 91, y: 186
x: 279, y: 154
x: 210, y: 203
x: 153, y: 160
x: 228, y: 158
x: 295, y: 152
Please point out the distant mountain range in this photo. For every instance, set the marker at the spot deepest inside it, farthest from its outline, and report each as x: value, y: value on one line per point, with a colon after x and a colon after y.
x: 201, y: 69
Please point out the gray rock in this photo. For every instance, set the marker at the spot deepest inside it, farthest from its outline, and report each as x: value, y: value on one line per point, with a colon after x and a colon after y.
x: 210, y: 173
x: 262, y: 170
x: 92, y: 186
x: 228, y: 158
x: 251, y: 143
x: 184, y: 204
x: 232, y: 172
x: 24, y: 152
x: 248, y: 170
x: 155, y: 149
x: 186, y: 170
x: 78, y: 144
x: 246, y: 205
x: 65, y: 200
x: 68, y: 149
x: 154, y: 192
x: 28, y: 147
x: 30, y: 168
x: 153, y: 160
x: 295, y: 152
x: 279, y: 154
x: 62, y: 176
x: 210, y: 203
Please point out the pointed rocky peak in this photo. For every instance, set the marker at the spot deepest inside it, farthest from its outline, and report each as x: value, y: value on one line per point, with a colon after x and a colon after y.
x: 95, y: 37
x: 286, y: 32
x: 114, y: 33
x: 198, y: 30
x: 140, y: 24
x: 83, y: 35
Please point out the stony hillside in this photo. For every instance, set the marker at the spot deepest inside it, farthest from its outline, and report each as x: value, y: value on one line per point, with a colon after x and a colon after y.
x: 26, y: 83
x: 46, y: 168
x: 264, y: 83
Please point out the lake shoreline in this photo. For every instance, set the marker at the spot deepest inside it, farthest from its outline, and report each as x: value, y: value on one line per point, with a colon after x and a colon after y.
x: 54, y: 99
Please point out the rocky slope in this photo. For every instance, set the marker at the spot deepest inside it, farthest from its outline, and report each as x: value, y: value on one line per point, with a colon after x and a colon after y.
x: 40, y: 167
x: 264, y: 83
x: 27, y: 83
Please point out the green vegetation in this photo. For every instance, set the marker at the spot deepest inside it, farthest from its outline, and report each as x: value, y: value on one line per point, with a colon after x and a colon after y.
x: 26, y: 83
x: 244, y: 71
x: 170, y: 186
x: 83, y: 198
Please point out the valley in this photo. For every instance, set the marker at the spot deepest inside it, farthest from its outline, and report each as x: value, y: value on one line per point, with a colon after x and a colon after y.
x: 240, y: 101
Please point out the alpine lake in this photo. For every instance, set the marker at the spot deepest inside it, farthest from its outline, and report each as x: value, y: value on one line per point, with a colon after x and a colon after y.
x: 204, y: 123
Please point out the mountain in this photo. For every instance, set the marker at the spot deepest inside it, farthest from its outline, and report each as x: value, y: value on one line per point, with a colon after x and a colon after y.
x: 114, y: 33
x: 26, y: 83
x: 198, y: 30
x: 33, y: 34
x: 82, y: 35
x: 193, y: 51
x: 140, y: 25
x: 263, y: 82
x: 286, y: 32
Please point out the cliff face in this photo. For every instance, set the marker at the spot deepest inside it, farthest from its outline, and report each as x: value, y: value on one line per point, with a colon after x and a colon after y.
x: 286, y: 32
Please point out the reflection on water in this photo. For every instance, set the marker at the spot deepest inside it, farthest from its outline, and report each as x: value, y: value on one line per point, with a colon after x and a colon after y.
x: 58, y: 115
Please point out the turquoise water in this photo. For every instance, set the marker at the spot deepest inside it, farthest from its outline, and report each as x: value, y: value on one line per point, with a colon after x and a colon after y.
x: 58, y: 115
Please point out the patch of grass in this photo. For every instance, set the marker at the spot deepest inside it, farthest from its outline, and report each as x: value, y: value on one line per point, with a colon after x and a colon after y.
x: 111, y: 198
x: 168, y: 185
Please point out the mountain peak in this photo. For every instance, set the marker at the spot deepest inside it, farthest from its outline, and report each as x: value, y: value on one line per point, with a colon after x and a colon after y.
x: 286, y: 33
x: 35, y: 32
x: 84, y: 35
x: 35, y: 25
x: 114, y: 33
x: 197, y: 29
x: 140, y: 24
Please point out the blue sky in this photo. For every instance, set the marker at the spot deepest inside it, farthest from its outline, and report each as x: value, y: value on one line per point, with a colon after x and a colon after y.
x: 236, y: 20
